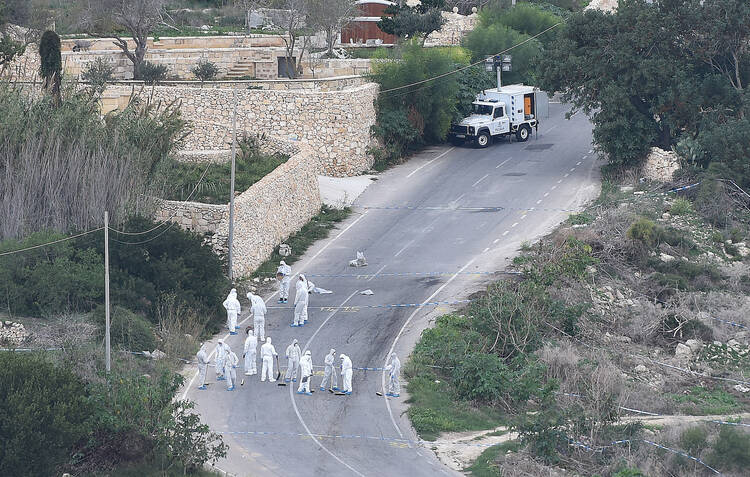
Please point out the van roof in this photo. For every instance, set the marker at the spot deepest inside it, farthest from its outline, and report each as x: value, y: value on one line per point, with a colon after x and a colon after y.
x: 512, y: 89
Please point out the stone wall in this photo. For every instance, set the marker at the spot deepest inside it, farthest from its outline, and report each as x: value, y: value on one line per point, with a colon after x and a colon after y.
x: 455, y: 28
x: 335, y: 124
x: 195, y: 216
x: 325, y: 68
x: 660, y: 165
x: 336, y: 83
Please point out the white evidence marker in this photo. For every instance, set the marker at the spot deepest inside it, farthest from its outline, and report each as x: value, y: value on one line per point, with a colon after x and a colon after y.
x: 539, y: 201
x: 505, y: 233
x: 495, y: 241
x: 514, y: 225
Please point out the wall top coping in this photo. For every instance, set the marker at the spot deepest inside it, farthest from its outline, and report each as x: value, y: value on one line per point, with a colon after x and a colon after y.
x: 66, y: 38
x: 230, y: 82
x: 183, y: 203
x: 297, y: 92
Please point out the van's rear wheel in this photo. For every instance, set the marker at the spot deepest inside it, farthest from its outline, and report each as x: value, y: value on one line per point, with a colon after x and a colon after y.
x: 523, y: 133
x: 483, y: 140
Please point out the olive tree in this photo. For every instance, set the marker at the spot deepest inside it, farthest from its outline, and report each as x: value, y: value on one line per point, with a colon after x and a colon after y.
x: 329, y: 16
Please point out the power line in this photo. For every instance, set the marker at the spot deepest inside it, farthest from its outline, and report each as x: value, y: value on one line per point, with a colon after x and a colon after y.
x: 472, y: 64
x: 52, y: 242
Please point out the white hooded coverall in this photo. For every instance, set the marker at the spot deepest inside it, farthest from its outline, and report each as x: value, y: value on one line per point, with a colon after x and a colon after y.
x: 310, y: 287
x: 250, y: 350
x: 293, y: 355
x: 300, y: 301
x: 306, y: 369
x: 267, y: 352
x: 285, y: 270
x: 221, y: 354
x: 346, y: 373
x: 202, y: 357
x: 329, y: 372
x: 394, y: 387
x: 232, y: 305
x: 230, y: 369
x: 258, y: 308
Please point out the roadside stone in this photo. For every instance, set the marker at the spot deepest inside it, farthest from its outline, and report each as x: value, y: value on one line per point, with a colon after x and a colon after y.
x: 626, y: 188
x: 741, y: 388
x: 157, y: 354
x: 666, y: 258
x: 694, y: 345
x: 640, y: 369
x: 683, y: 351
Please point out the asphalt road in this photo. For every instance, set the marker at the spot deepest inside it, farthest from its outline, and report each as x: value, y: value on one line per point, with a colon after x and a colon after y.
x: 474, y: 208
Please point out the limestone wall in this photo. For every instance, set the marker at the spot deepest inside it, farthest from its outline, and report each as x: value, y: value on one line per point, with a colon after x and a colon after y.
x: 336, y: 83
x: 456, y: 27
x: 335, y: 124
x: 195, y: 216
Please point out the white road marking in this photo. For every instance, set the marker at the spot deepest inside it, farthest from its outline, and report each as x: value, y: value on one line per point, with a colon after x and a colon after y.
x: 401, y: 331
x: 546, y: 194
x: 505, y: 233
x: 571, y: 170
x: 566, y: 175
x: 591, y: 151
x: 429, y: 162
x: 553, y: 187
x: 480, y: 180
x: 405, y: 247
x: 560, y: 181
x: 459, y: 197
x: 523, y: 216
x: 538, y: 201
x: 502, y: 163
x: 495, y: 241
x: 376, y: 273
x: 303, y: 268
x: 486, y: 250
x: 579, y: 163
x: 553, y: 127
x: 514, y: 224
x: 294, y: 403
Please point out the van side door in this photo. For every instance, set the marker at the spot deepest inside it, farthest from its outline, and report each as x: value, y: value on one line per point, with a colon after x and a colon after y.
x: 500, y: 121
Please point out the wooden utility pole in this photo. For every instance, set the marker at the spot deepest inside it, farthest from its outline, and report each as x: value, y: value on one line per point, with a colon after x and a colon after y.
x: 106, y: 291
x: 231, y: 189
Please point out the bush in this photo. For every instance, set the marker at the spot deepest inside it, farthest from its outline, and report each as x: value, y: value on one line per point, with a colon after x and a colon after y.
x: 643, y: 230
x: 43, y: 412
x: 681, y: 206
x: 694, y: 440
x: 128, y: 330
x: 151, y: 73
x: 525, y: 18
x: 486, y: 41
x: 205, y: 70
x: 481, y: 376
x: 98, y: 73
x: 731, y: 450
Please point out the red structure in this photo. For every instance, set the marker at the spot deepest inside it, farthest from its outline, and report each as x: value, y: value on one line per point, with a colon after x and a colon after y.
x: 365, y: 26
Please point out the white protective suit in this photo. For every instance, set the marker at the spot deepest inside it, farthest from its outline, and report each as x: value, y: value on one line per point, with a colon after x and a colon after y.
x: 394, y: 387
x: 285, y: 270
x: 346, y: 373
x: 267, y: 353
x: 300, y: 302
x: 329, y: 372
x: 232, y: 305
x: 310, y: 287
x: 306, y: 370
x: 293, y: 355
x: 221, y: 355
x: 202, y: 357
x: 258, y: 308
x: 230, y: 369
x: 250, y: 351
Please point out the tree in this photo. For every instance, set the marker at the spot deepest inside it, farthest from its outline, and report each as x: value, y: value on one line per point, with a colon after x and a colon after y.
x: 486, y: 41
x: 51, y: 63
x: 294, y: 17
x: 329, y: 16
x: 415, y: 21
x: 249, y: 6
x: 137, y: 17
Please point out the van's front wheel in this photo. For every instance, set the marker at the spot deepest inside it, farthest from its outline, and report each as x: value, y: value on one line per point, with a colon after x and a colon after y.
x: 483, y: 140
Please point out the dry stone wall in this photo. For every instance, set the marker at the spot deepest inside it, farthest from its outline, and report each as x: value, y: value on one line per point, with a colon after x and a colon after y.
x: 195, y: 216
x: 455, y: 28
x: 335, y: 124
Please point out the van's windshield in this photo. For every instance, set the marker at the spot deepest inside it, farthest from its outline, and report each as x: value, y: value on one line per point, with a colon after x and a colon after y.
x: 482, y: 109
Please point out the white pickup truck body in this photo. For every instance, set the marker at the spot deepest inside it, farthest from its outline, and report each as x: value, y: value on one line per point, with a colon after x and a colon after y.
x: 513, y: 109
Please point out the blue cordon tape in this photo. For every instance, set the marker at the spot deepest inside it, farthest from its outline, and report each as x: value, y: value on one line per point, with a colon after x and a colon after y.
x: 627, y: 441
x: 396, y: 305
x: 348, y: 436
x: 475, y: 209
x: 678, y: 189
x: 405, y: 274
x: 730, y: 323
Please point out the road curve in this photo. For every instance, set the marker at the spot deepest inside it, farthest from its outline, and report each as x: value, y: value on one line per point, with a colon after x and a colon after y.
x: 446, y: 210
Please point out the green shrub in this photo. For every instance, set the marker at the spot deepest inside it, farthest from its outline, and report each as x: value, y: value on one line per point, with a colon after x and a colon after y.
x: 128, y: 330
x: 43, y: 413
x: 681, y: 206
x: 700, y: 401
x: 205, y: 70
x: 580, y: 219
x: 525, y: 18
x: 643, y: 230
x: 98, y: 73
x: 481, y: 376
x: 731, y: 450
x: 151, y: 73
x: 486, y: 41
x: 694, y: 440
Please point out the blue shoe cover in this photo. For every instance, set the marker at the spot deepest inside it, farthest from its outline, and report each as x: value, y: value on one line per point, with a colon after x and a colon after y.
x: 294, y: 380
x: 201, y: 387
x: 347, y: 392
x: 286, y: 380
x: 307, y: 394
x: 395, y: 395
x: 230, y: 389
x: 322, y: 389
x: 232, y: 332
x: 300, y: 392
x: 335, y: 388
x: 221, y: 379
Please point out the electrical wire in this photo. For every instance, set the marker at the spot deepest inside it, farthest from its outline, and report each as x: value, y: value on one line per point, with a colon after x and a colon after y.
x: 473, y: 64
x: 52, y: 242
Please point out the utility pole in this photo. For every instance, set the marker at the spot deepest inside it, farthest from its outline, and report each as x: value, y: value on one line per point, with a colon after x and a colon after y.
x: 231, y: 189
x: 106, y: 292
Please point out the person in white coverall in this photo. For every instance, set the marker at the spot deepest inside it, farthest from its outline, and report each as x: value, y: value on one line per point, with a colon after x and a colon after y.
x: 202, y: 357
x: 293, y: 355
x: 306, y: 370
x: 230, y: 369
x: 258, y: 308
x: 310, y: 287
x: 221, y: 354
x: 232, y: 305
x: 249, y: 352
x: 286, y: 278
x: 300, y: 302
x: 329, y: 372
x: 394, y: 387
x: 346, y: 373
x: 267, y: 353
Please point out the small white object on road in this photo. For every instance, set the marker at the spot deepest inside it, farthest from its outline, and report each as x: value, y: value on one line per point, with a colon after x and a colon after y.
x: 367, y: 292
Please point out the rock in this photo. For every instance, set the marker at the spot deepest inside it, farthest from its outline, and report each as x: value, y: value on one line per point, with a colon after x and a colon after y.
x: 626, y: 188
x: 619, y: 295
x: 640, y: 369
x: 157, y: 354
x: 146, y: 353
x: 666, y: 215
x: 733, y: 343
x: 638, y: 192
x: 683, y: 351
x: 623, y: 339
x: 717, y: 343
x: 741, y: 388
x: 590, y: 269
x: 256, y: 279
x: 694, y: 345
x: 666, y: 258
x: 660, y: 165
